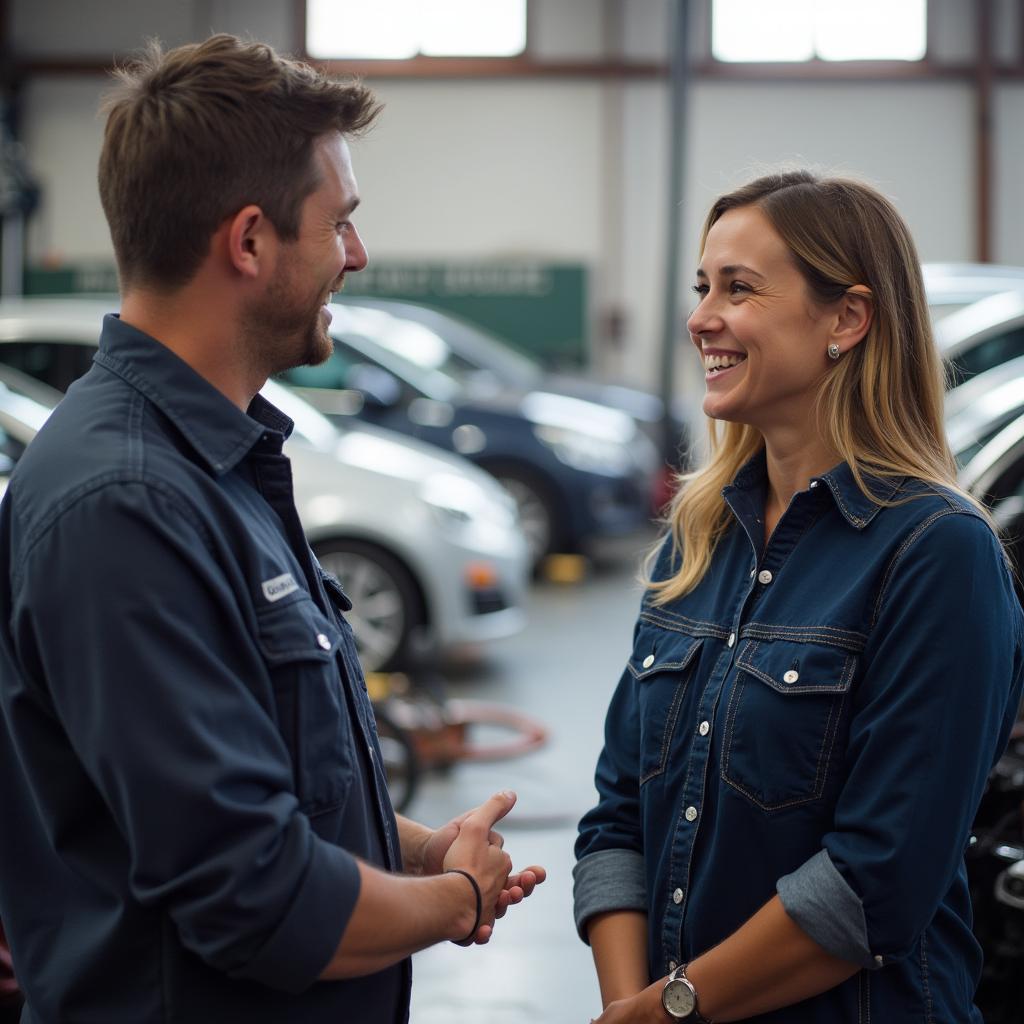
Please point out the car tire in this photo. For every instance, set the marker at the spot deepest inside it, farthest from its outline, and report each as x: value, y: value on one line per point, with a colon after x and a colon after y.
x: 536, y: 510
x: 388, y: 614
x: 399, y: 759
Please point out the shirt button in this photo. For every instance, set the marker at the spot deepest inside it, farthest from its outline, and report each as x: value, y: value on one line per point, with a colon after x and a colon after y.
x: 324, y: 641
x: 649, y: 661
x: 764, y: 576
x: 731, y: 640
x: 705, y: 728
x: 791, y: 676
x: 691, y: 814
x: 677, y: 897
x: 879, y: 960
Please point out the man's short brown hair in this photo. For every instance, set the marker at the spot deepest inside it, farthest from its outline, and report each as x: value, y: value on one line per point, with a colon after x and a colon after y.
x: 197, y: 133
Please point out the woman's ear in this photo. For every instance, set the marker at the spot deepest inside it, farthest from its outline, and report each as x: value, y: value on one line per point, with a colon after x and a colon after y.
x: 853, y: 320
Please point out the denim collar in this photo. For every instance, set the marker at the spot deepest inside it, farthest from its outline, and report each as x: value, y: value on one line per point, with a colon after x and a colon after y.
x: 853, y: 504
x: 217, y: 430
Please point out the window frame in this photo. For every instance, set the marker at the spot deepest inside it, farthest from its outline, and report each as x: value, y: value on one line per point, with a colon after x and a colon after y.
x: 420, y: 66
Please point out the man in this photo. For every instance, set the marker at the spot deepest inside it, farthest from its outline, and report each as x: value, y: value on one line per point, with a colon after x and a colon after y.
x: 195, y: 821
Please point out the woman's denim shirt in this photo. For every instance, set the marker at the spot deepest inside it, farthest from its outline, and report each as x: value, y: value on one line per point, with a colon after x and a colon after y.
x: 817, y: 719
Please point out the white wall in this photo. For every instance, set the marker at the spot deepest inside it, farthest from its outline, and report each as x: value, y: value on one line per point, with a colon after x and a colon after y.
x: 561, y: 168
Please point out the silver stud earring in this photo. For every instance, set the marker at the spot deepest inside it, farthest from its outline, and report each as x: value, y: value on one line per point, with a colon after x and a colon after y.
x: 833, y: 352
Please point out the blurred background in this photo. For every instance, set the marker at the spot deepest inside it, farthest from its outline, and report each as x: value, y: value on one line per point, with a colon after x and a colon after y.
x: 483, y: 460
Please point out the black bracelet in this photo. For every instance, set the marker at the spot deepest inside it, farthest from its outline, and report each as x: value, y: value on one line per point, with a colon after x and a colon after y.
x: 479, y: 901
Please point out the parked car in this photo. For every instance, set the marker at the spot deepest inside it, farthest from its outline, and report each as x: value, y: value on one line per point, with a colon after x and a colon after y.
x: 425, y: 544
x: 952, y: 286
x: 980, y: 407
x: 982, y: 335
x: 577, y: 470
x: 995, y: 476
x: 476, y: 356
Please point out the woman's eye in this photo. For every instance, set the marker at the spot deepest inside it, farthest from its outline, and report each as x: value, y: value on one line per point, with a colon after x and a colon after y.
x: 701, y: 289
x: 738, y: 286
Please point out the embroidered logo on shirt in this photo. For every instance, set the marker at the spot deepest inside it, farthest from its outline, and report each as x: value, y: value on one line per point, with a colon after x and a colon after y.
x: 280, y: 586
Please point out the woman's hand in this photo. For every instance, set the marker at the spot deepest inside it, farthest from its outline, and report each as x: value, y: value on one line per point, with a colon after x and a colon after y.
x: 643, y: 1008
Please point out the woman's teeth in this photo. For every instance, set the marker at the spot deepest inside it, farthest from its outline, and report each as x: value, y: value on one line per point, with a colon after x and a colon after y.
x: 712, y: 363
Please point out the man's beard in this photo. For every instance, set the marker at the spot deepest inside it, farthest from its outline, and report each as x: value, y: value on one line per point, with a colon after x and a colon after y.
x: 284, y: 331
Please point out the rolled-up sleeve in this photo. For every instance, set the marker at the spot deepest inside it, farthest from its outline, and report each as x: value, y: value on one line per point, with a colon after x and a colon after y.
x: 609, y: 874
x: 127, y: 610
x: 940, y: 685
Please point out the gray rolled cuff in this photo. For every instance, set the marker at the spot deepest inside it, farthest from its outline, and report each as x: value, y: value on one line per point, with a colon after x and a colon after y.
x: 819, y: 900
x: 608, y: 880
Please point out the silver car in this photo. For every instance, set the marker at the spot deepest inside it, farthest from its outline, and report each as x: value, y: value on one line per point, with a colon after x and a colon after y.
x: 426, y: 545
x: 984, y: 334
x: 952, y: 286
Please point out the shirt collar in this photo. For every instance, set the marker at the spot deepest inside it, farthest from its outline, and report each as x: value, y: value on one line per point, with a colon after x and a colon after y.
x: 219, y: 432
x: 853, y: 504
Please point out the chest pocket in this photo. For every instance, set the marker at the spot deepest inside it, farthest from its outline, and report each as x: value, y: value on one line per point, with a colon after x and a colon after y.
x: 782, y: 719
x: 662, y: 664
x: 299, y: 644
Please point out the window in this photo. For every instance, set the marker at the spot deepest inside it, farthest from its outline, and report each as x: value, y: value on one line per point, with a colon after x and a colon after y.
x: 832, y: 30
x: 399, y: 29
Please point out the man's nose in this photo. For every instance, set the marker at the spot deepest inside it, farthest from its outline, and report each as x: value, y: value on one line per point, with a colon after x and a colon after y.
x: 355, y: 252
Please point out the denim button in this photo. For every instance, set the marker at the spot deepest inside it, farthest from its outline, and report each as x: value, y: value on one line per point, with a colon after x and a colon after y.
x: 324, y: 641
x: 791, y: 676
x: 649, y: 661
x: 731, y: 640
x: 705, y: 728
x: 672, y: 965
x: 764, y: 576
x: 814, y: 483
x: 677, y: 897
x: 691, y: 814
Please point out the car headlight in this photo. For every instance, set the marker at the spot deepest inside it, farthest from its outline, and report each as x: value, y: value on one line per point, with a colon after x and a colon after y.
x: 460, y: 501
x: 584, y: 452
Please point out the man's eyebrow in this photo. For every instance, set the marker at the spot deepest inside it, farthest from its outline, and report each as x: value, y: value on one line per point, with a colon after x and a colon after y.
x: 732, y: 268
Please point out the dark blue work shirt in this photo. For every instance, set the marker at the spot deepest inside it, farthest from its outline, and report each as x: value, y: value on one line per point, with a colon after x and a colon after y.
x: 188, y: 760
x: 817, y: 718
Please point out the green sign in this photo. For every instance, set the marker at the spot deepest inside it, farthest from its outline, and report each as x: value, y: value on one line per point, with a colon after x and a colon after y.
x: 537, y: 307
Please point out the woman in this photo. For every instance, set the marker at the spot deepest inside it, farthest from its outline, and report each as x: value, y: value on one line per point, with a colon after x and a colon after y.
x: 827, y: 660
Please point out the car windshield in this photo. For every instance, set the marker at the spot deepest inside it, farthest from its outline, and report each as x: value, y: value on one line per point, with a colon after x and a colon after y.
x: 413, y: 353
x: 428, y: 359
x: 993, y: 351
x: 469, y: 350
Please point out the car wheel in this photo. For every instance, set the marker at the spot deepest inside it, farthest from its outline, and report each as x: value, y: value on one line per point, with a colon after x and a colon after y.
x: 387, y: 612
x: 536, y: 518
x: 398, y: 755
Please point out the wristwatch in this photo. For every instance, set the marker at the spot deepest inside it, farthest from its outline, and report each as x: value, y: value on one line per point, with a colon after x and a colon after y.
x: 679, y: 998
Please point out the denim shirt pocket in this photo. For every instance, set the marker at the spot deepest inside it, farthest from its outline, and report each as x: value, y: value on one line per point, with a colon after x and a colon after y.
x: 782, y: 720
x: 661, y: 666
x: 300, y: 644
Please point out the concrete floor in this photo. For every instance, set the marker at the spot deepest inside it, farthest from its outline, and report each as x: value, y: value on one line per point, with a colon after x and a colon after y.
x: 562, y: 670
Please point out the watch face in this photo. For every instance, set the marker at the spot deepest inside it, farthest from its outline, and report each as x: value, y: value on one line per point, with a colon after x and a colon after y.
x: 678, y: 998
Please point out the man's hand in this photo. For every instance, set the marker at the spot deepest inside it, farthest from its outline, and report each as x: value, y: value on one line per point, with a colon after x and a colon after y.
x: 476, y: 842
x: 425, y: 853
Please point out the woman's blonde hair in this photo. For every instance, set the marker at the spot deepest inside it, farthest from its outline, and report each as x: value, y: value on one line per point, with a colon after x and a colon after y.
x: 880, y: 406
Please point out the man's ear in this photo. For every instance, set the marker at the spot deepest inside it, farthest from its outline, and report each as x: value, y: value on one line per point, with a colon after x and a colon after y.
x: 853, y: 320
x: 250, y: 238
